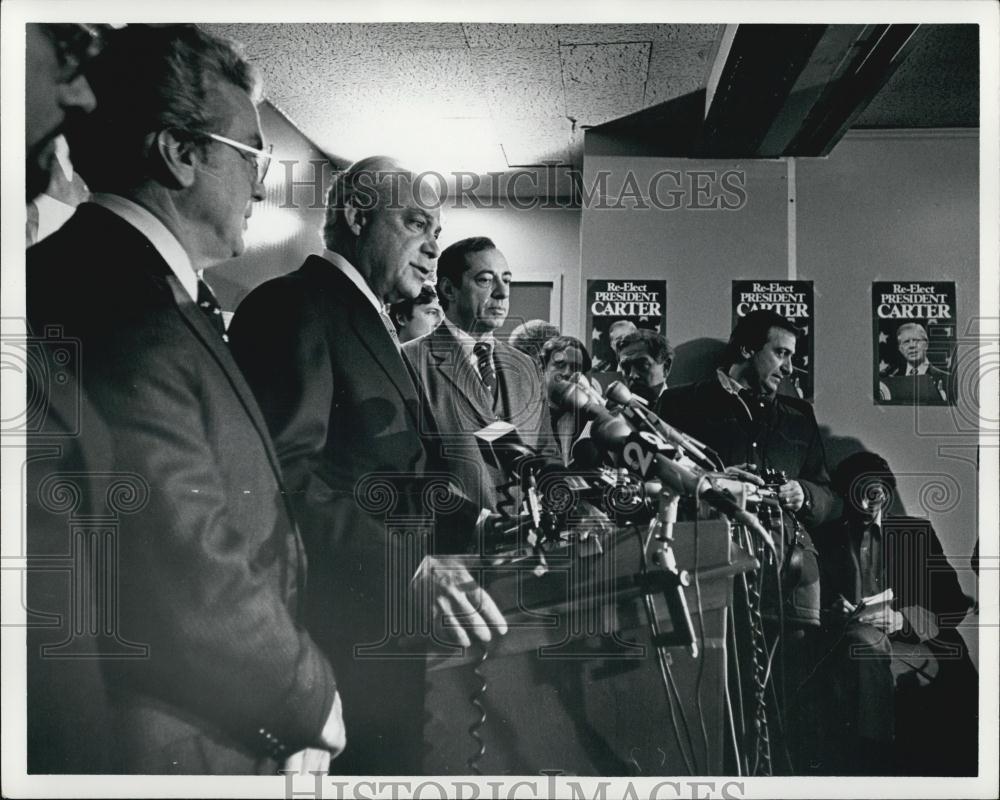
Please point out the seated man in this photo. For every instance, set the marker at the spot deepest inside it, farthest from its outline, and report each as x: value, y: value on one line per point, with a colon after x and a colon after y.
x: 896, y: 688
x: 416, y: 317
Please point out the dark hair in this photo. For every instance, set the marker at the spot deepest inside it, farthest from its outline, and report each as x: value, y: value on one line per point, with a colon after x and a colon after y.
x: 528, y: 337
x: 405, y: 308
x: 656, y: 344
x: 752, y: 332
x: 149, y: 78
x: 862, y: 464
x: 452, y: 263
x: 558, y: 344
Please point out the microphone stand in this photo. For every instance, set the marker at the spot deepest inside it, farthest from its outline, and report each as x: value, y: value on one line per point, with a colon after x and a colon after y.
x: 668, y: 579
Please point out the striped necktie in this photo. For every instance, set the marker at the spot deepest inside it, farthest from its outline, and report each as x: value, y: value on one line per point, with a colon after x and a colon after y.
x: 487, y: 372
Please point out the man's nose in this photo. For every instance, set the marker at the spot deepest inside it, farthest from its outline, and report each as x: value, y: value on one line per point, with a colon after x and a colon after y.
x: 786, y: 366
x: 77, y: 93
x: 501, y: 289
x: 258, y: 193
x: 431, y: 248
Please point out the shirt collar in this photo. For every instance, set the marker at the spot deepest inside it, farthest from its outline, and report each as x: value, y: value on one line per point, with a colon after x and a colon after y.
x: 466, y: 340
x: 165, y: 243
x: 355, y: 277
x: 729, y: 383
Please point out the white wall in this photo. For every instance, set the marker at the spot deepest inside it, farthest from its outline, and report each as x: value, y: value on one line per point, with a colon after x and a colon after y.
x: 882, y: 206
x: 539, y: 244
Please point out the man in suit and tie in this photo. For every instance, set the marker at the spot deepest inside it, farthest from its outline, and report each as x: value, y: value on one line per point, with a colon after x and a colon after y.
x: 471, y: 378
x: 210, y: 565
x: 355, y: 439
x: 916, y: 379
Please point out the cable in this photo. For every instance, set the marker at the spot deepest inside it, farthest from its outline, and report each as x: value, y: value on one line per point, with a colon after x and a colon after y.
x: 701, y: 635
x: 729, y: 705
x: 477, y: 701
x: 665, y: 674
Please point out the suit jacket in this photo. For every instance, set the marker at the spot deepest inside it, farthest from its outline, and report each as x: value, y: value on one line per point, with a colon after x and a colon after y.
x: 782, y: 436
x: 210, y: 566
x: 462, y: 405
x: 349, y: 425
x: 913, y: 562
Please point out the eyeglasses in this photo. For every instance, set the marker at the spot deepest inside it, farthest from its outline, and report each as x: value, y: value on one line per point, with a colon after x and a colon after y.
x: 261, y: 158
x: 75, y: 44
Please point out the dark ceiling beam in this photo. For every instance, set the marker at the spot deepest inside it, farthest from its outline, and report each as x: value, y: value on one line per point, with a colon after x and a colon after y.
x: 878, y: 53
x: 762, y: 65
x: 793, y: 90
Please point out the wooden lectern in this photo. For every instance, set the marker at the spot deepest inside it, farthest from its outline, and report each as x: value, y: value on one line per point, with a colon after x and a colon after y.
x: 575, y: 686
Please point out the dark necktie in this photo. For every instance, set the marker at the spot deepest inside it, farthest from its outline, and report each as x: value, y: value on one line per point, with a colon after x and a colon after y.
x: 487, y: 372
x: 387, y: 322
x: 210, y: 308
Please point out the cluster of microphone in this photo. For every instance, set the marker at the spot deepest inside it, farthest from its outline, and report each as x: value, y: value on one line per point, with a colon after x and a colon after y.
x: 657, y: 453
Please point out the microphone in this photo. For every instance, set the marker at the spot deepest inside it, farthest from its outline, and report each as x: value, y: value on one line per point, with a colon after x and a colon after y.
x: 619, y: 393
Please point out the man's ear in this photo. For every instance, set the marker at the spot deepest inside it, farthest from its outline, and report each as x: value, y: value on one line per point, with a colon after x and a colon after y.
x: 445, y: 288
x: 177, y: 159
x: 356, y: 218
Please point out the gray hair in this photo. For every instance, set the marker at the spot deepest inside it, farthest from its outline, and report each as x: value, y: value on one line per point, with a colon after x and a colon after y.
x: 147, y: 79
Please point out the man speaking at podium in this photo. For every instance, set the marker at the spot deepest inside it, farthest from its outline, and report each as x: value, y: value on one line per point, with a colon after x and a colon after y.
x: 349, y: 424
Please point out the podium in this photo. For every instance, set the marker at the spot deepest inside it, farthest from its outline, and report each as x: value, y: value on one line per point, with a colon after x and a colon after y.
x: 575, y: 686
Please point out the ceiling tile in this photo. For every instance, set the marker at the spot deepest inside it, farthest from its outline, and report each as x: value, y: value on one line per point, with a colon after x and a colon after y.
x: 676, y: 69
x: 498, y: 36
x: 522, y: 83
x: 595, y: 106
x: 535, y: 140
x: 604, y: 65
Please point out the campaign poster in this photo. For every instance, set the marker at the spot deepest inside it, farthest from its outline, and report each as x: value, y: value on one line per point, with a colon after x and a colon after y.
x: 794, y: 301
x: 615, y: 308
x: 913, y: 324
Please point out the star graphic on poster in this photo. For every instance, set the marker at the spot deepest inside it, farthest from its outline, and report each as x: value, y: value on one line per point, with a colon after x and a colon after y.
x: 805, y: 361
x: 804, y: 329
x: 596, y: 335
x: 883, y: 367
x: 643, y: 319
x: 883, y: 337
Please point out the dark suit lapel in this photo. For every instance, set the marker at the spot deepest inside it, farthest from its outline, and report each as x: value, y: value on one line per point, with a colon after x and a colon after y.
x: 219, y: 352
x: 370, y: 331
x: 449, y: 359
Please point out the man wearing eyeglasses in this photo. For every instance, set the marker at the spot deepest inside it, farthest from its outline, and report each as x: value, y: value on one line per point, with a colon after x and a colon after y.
x: 207, y: 563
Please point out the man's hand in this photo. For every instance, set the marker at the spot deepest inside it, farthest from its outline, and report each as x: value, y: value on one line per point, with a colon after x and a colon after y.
x: 334, y: 736
x: 841, y: 609
x: 307, y: 761
x: 884, y: 618
x: 459, y: 606
x: 792, y: 495
x: 744, y: 472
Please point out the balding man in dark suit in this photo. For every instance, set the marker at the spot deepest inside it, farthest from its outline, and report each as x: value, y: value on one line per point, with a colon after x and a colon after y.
x: 355, y: 439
